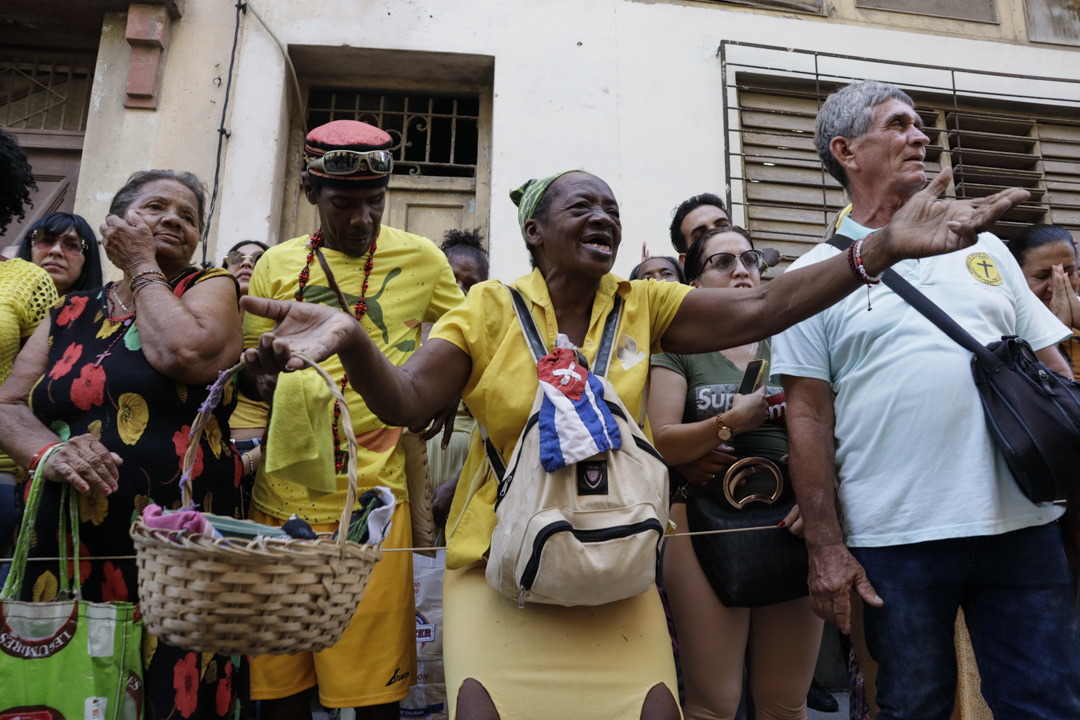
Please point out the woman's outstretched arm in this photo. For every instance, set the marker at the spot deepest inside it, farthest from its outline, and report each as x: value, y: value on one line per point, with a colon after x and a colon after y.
x: 711, y: 319
x: 401, y: 396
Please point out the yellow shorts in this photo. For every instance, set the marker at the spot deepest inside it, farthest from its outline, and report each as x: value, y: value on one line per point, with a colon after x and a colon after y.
x: 374, y: 662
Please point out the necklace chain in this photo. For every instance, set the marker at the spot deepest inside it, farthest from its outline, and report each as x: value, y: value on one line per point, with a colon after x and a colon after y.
x: 359, y: 310
x: 115, y: 296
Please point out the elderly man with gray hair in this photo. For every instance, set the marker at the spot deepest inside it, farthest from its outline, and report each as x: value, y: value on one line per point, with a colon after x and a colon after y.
x: 884, y: 416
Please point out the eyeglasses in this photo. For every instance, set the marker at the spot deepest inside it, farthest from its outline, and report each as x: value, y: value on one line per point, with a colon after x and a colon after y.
x: 237, y: 258
x: 68, y: 245
x: 724, y: 262
x: 350, y: 162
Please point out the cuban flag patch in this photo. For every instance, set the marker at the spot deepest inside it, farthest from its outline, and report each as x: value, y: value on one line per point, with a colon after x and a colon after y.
x: 575, y: 422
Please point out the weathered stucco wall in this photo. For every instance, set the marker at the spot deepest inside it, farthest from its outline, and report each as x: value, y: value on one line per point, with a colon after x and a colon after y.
x: 629, y: 90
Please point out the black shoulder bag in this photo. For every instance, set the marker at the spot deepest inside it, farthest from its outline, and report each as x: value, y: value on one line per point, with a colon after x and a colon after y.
x: 1032, y: 413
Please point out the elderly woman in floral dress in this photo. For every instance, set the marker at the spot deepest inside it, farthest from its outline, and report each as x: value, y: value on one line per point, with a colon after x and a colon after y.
x: 116, y: 376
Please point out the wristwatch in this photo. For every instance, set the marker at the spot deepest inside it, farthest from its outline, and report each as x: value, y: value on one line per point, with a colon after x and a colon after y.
x: 722, y: 430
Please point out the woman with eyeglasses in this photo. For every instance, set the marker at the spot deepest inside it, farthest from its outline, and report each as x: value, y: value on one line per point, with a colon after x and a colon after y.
x: 249, y: 416
x: 240, y: 261
x: 693, y: 402
x: 64, y: 246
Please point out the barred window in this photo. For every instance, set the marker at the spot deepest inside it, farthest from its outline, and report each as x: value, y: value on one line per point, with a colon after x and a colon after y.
x: 435, y: 134
x: 44, y: 91
x: 992, y: 140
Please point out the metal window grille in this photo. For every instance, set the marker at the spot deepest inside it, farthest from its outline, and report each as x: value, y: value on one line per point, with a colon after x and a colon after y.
x: 807, y: 6
x: 435, y: 134
x: 976, y: 10
x: 45, y: 91
x: 992, y: 139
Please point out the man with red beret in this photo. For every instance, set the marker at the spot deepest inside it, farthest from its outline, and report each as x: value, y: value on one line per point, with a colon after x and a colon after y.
x: 393, y: 282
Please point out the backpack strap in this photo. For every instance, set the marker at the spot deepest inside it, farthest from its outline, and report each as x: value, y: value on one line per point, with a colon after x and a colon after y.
x: 528, y: 326
x: 928, y: 309
x: 607, y: 340
x: 539, y: 349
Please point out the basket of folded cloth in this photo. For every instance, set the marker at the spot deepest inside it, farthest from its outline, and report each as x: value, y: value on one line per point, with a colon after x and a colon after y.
x: 217, y: 584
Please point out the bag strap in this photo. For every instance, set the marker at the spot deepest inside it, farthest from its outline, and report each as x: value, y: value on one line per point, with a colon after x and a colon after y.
x: 332, y: 281
x: 607, y: 340
x: 13, y: 585
x: 533, y: 339
x: 539, y: 349
x: 928, y: 309
x: 536, y: 342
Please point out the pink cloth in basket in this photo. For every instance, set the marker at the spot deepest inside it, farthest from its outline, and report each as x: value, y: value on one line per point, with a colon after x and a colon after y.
x: 191, y: 521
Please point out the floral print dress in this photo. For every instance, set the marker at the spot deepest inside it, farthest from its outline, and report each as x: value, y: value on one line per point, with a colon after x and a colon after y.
x: 100, y: 382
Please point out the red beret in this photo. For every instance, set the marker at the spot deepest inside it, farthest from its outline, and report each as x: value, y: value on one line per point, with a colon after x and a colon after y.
x: 347, y: 135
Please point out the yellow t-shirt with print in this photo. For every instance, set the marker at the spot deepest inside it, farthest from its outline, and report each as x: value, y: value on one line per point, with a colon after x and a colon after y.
x: 411, y: 283
x: 502, y: 384
x: 26, y: 294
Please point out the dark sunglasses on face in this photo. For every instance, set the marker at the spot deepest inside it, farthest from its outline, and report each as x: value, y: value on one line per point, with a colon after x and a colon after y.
x: 350, y: 162
x: 725, y: 262
x: 237, y: 258
x: 68, y: 245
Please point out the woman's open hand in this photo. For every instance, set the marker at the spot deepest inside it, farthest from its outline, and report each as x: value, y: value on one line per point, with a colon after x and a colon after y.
x: 85, y: 463
x: 926, y: 225
x: 318, y: 331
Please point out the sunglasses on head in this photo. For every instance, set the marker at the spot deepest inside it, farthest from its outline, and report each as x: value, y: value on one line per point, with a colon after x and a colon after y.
x: 236, y: 257
x: 68, y: 245
x: 350, y: 162
x: 724, y: 262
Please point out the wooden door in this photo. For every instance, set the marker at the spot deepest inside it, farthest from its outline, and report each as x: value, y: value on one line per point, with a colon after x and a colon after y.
x: 54, y: 159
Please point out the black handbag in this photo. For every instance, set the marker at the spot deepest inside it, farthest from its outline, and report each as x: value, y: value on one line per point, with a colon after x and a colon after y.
x: 752, y: 568
x: 1032, y: 413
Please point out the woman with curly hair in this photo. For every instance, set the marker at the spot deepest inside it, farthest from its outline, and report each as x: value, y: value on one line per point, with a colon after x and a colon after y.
x: 26, y: 292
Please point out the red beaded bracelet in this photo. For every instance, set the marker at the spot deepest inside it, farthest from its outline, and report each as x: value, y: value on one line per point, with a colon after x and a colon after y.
x: 854, y: 258
x: 36, y: 460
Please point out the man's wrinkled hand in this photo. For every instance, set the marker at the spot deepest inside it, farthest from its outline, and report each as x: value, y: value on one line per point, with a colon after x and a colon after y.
x: 833, y: 573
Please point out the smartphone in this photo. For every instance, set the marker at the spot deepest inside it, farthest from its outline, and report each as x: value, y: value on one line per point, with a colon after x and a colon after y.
x: 752, y: 378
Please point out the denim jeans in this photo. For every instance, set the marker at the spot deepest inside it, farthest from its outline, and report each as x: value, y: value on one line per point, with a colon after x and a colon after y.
x: 1015, y: 590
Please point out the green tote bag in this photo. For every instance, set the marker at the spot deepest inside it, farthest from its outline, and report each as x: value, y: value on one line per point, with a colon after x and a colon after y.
x: 67, y: 658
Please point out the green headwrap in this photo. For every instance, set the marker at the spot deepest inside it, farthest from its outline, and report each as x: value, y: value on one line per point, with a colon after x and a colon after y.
x: 527, y: 197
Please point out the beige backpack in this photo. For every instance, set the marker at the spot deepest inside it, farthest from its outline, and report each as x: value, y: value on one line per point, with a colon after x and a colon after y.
x: 587, y: 534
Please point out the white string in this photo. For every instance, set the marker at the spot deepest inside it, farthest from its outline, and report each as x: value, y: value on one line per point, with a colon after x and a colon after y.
x: 406, y: 549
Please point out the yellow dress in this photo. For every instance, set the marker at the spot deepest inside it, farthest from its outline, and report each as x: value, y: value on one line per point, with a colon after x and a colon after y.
x: 545, y: 661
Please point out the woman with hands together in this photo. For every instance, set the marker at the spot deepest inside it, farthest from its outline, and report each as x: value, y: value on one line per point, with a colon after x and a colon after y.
x: 115, y: 376
x: 1047, y: 255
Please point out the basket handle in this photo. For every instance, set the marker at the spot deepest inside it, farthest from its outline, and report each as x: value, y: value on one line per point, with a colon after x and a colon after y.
x: 213, y: 398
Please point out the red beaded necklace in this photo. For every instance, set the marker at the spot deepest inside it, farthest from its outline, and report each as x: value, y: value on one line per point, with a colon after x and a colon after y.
x: 358, y: 312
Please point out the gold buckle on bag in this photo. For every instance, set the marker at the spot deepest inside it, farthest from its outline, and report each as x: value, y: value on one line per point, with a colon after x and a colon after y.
x: 743, y: 470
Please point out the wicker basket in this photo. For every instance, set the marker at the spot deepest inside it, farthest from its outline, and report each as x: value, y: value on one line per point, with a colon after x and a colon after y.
x: 266, y: 596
